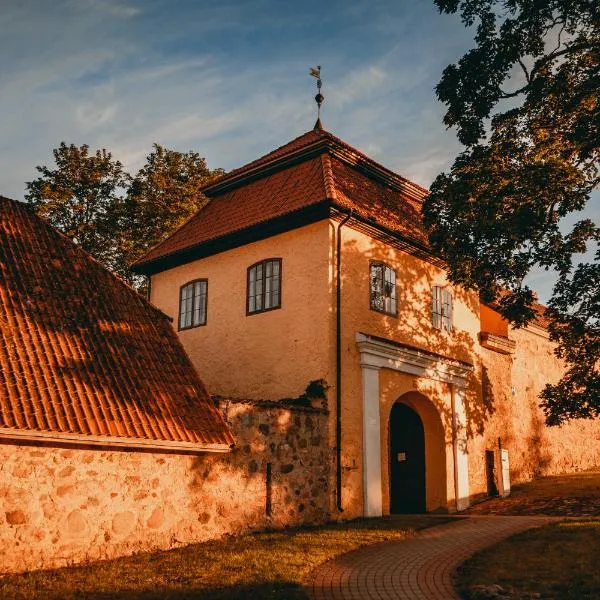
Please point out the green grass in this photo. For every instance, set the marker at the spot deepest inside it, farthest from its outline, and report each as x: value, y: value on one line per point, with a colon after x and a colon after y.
x: 261, y: 565
x: 559, y: 561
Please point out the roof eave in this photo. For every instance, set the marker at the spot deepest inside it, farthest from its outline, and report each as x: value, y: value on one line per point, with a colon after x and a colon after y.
x: 119, y: 443
x: 262, y: 230
x: 287, y: 222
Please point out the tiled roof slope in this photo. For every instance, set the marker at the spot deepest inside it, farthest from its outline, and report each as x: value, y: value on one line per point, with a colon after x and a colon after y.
x: 313, y: 168
x: 85, y: 357
x: 272, y: 196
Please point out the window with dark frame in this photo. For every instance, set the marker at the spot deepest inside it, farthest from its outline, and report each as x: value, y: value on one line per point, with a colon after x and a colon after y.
x: 383, y: 289
x: 264, y: 286
x: 441, y: 308
x: 192, y: 304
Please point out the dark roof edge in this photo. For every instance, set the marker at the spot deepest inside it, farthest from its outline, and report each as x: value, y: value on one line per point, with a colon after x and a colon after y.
x: 375, y: 230
x: 287, y: 222
x: 235, y: 239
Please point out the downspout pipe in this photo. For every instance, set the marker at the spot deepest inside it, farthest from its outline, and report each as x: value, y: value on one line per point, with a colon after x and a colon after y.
x: 338, y: 363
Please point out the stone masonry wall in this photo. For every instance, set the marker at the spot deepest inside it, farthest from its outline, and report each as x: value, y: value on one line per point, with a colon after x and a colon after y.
x: 62, y: 506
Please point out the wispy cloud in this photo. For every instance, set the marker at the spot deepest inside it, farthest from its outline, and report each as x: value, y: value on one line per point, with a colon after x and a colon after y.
x: 228, y: 79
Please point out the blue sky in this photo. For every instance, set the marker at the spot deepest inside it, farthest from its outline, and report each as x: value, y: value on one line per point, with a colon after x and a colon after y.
x: 226, y: 79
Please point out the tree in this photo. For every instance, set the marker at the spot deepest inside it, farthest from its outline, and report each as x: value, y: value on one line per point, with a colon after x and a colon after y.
x: 164, y: 193
x: 114, y: 217
x: 79, y: 196
x: 526, y: 106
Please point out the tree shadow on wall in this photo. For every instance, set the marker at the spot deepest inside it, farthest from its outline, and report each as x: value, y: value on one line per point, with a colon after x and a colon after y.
x: 413, y: 325
x: 88, y: 349
x: 277, y: 474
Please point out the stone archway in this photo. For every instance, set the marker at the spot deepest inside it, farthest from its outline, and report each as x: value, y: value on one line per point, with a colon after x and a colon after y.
x: 417, y: 461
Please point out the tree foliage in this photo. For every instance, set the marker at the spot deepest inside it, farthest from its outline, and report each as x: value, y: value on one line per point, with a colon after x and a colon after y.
x: 526, y: 106
x: 164, y: 194
x: 79, y: 197
x: 112, y: 215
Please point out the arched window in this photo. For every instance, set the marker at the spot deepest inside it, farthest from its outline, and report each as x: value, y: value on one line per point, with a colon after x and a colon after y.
x: 442, y: 309
x: 264, y: 286
x: 383, y: 289
x: 192, y: 304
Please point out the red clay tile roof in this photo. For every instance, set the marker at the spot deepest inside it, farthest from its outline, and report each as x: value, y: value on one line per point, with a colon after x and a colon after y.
x: 541, y: 318
x: 313, y: 168
x: 275, y: 195
x: 82, y: 355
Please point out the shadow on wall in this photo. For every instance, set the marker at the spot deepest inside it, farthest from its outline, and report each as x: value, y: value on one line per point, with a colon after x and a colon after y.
x: 413, y: 323
x: 277, y: 475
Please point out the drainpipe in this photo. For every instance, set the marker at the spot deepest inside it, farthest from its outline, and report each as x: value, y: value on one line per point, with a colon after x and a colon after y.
x: 338, y: 363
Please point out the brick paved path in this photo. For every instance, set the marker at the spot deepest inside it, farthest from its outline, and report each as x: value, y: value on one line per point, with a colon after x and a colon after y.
x: 419, y: 568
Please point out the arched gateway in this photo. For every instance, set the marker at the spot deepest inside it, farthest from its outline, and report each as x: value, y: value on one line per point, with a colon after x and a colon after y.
x: 415, y: 421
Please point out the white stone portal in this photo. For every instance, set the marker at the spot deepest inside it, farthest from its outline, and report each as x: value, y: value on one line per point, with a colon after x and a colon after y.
x: 377, y: 353
x: 459, y: 443
x: 371, y: 442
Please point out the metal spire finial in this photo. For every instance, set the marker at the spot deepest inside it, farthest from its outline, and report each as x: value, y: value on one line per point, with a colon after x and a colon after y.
x: 316, y: 72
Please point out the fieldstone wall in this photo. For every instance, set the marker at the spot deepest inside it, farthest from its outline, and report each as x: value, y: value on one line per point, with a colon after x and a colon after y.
x: 61, y: 506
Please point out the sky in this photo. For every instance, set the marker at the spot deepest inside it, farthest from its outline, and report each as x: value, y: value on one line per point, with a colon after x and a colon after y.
x: 226, y: 79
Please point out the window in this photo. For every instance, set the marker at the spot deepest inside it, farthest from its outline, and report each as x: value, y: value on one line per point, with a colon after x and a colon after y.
x: 383, y: 289
x: 264, y: 286
x: 192, y: 304
x: 442, y: 308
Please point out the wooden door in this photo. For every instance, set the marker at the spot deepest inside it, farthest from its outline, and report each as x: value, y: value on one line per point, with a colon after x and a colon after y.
x: 407, y: 461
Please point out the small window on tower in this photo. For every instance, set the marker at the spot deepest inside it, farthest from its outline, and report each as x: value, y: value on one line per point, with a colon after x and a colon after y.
x: 441, y: 308
x: 383, y: 289
x: 192, y: 304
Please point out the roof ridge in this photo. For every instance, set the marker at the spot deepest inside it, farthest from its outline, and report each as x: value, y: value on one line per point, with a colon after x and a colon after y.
x: 328, y: 178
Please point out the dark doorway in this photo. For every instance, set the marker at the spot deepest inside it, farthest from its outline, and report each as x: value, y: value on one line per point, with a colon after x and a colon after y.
x: 407, y: 461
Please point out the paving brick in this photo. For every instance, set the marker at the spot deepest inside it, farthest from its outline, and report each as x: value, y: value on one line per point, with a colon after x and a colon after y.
x: 419, y: 568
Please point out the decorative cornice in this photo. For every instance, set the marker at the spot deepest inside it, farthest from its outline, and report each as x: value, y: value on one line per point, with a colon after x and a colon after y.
x: 497, y: 343
x: 379, y: 353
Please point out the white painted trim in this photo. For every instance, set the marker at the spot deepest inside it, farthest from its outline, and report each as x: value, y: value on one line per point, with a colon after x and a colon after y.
x: 460, y: 448
x: 372, y: 492
x: 380, y: 354
x: 102, y: 440
x: 375, y: 354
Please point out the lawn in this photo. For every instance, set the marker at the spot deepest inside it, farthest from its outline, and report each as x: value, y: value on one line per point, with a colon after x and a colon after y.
x: 260, y: 565
x: 555, y: 562
x: 571, y: 495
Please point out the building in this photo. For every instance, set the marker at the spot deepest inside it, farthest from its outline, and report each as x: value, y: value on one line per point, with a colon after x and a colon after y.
x: 109, y: 442
x: 310, y: 264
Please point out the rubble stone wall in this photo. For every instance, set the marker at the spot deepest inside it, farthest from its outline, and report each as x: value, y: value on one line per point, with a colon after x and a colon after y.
x: 61, y: 506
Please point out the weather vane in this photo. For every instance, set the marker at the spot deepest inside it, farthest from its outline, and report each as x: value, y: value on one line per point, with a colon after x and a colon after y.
x: 316, y: 72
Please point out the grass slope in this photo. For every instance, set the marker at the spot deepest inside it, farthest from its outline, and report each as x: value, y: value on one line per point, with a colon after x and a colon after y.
x: 559, y: 561
x: 261, y: 565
